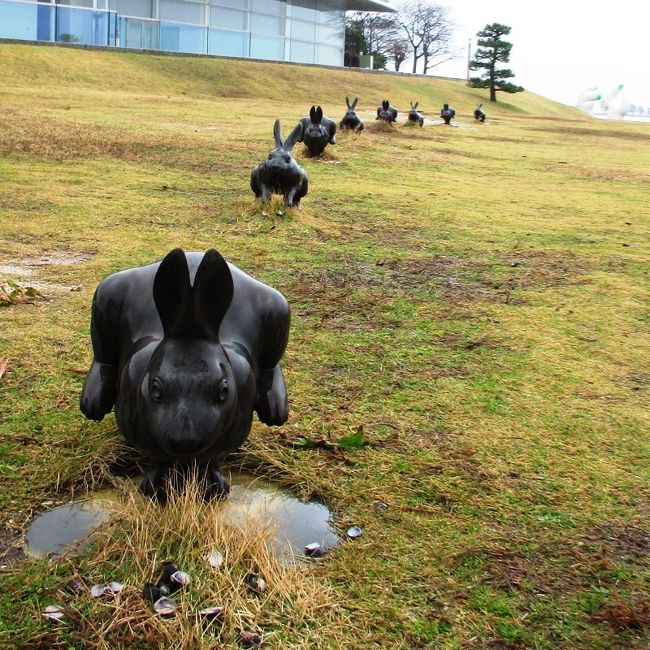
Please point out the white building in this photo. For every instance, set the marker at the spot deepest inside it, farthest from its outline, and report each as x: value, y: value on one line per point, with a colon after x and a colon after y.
x: 303, y: 31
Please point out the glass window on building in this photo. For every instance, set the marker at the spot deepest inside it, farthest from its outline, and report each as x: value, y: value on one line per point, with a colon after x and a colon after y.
x: 276, y: 7
x: 303, y: 10
x: 271, y: 25
x: 135, y: 8
x: 303, y: 31
x: 233, y: 4
x: 302, y: 52
x: 227, y: 43
x: 331, y: 35
x: 183, y: 38
x: 88, y: 4
x: 265, y: 47
x: 227, y: 18
x: 179, y: 11
x: 327, y: 55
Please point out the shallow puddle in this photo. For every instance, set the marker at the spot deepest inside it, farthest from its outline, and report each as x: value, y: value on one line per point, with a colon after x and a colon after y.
x: 53, y: 531
x: 293, y: 523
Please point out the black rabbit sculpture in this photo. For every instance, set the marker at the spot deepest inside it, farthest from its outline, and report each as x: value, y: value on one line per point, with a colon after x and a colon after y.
x: 414, y: 116
x: 351, y: 120
x: 186, y: 349
x: 318, y: 131
x: 280, y: 173
x: 386, y: 112
x: 479, y: 113
x: 447, y: 113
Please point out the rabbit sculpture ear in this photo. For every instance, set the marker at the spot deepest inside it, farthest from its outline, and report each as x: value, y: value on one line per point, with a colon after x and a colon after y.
x: 172, y: 293
x: 347, y: 102
x: 354, y: 103
x: 192, y: 311
x: 318, y: 116
x: 385, y: 104
x: 416, y: 105
x: 277, y: 134
x: 312, y: 113
x: 211, y: 295
x: 294, y: 136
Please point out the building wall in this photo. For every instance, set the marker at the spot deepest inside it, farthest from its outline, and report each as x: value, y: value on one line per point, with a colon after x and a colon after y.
x: 303, y: 31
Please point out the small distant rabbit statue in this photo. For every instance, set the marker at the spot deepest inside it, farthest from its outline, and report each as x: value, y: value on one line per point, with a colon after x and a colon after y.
x: 386, y: 112
x: 447, y: 113
x: 280, y: 173
x: 318, y: 131
x: 186, y: 349
x: 479, y: 113
x: 414, y: 116
x: 351, y: 120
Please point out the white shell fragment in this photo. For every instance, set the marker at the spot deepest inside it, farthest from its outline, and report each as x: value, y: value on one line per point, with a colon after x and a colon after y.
x: 165, y: 606
x: 210, y: 612
x: 214, y: 559
x: 314, y: 550
x: 54, y: 613
x: 255, y: 583
x: 181, y: 578
x: 354, y: 532
x: 97, y: 591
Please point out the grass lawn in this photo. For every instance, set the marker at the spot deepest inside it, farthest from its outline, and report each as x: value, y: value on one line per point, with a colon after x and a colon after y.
x: 474, y: 300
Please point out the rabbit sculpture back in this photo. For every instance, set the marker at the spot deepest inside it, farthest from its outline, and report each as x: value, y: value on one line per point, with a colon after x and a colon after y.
x: 318, y: 131
x: 351, y: 120
x: 386, y: 112
x: 280, y: 173
x: 447, y: 113
x: 479, y: 113
x: 414, y: 116
x: 186, y: 349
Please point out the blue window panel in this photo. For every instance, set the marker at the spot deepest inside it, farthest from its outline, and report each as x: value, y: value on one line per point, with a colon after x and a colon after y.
x: 182, y: 12
x: 275, y: 7
x: 333, y: 36
x: 326, y: 55
x: 81, y: 26
x: 303, y: 10
x: 227, y: 18
x: 301, y: 52
x: 183, y: 38
x: 303, y: 31
x: 140, y: 34
x: 23, y: 21
x: 227, y: 43
x: 271, y: 25
x: 135, y: 8
x: 265, y: 47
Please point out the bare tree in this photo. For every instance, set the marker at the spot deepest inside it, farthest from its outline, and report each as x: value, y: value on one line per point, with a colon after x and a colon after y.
x: 428, y: 31
x: 397, y: 51
x: 377, y: 29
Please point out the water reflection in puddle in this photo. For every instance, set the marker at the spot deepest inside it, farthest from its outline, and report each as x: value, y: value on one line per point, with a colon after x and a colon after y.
x: 55, y: 530
x: 293, y: 523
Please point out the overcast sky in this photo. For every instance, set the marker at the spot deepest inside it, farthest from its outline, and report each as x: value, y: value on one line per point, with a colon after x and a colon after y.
x: 561, y: 47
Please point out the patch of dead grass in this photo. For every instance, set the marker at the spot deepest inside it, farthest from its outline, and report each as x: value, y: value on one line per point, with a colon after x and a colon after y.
x: 292, y: 612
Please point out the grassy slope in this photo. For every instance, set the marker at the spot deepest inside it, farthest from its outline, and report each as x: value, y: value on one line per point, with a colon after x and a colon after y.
x: 475, y: 298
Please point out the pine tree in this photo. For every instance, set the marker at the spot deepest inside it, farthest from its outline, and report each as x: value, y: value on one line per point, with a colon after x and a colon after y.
x: 492, y: 50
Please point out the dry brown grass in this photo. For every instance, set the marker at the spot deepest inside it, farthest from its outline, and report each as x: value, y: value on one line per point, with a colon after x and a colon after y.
x: 141, y: 536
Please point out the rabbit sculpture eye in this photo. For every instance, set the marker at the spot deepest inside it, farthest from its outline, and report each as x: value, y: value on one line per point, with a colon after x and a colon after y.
x: 186, y: 349
x: 318, y: 131
x: 351, y: 120
x: 280, y: 173
x: 414, y: 116
x: 386, y: 112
